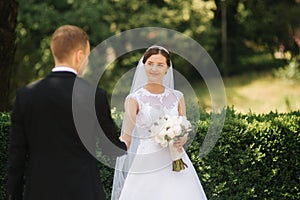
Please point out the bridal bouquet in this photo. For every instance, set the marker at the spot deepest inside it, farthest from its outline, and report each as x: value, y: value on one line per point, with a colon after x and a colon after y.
x: 166, y: 130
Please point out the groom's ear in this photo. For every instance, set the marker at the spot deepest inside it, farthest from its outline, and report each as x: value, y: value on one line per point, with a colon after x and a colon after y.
x: 79, y: 56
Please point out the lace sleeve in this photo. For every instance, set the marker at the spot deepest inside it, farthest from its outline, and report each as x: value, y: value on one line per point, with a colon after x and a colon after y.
x: 181, y: 103
x: 132, y: 96
x: 178, y: 94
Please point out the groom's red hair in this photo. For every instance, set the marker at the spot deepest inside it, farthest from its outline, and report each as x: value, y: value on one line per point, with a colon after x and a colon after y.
x: 66, y: 39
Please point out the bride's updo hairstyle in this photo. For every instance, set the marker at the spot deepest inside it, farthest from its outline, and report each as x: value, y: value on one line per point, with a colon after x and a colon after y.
x: 153, y: 50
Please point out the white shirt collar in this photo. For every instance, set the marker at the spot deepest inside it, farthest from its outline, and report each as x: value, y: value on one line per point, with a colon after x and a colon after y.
x: 64, y: 69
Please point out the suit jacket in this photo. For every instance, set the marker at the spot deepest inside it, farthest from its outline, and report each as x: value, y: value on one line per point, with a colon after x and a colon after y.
x: 47, y: 153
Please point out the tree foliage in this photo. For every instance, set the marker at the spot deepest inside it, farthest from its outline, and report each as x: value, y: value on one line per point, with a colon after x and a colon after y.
x: 38, y: 19
x: 257, y: 27
x: 254, y: 27
x: 272, y: 23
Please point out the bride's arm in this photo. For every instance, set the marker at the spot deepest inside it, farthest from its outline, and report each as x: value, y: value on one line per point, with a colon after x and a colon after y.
x: 181, y: 107
x: 182, y: 112
x: 131, y: 111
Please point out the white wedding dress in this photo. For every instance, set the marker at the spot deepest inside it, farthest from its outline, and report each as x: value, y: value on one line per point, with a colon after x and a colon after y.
x: 150, y: 175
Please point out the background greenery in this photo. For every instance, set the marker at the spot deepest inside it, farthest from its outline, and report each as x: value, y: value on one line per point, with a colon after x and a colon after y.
x: 4, y: 130
x: 256, y: 157
x: 255, y: 31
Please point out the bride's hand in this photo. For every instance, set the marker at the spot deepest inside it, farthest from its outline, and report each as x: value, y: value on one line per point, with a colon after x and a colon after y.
x: 180, y: 142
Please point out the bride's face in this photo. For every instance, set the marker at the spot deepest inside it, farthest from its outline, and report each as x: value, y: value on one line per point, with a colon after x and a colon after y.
x: 156, y: 68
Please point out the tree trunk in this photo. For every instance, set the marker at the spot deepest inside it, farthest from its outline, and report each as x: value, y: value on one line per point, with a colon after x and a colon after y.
x: 8, y: 21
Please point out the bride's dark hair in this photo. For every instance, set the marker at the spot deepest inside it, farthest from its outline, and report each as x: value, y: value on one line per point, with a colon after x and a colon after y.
x: 157, y: 50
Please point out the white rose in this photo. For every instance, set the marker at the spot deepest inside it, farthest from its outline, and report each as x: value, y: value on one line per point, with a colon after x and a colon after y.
x: 158, y: 139
x: 164, y: 143
x: 170, y: 133
x: 177, y: 130
x: 185, y: 122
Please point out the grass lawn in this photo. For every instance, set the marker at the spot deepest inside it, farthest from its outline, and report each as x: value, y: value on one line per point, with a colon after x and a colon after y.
x: 255, y: 92
x: 258, y: 93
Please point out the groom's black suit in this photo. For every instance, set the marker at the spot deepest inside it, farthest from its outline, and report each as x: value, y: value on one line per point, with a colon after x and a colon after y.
x: 45, y: 147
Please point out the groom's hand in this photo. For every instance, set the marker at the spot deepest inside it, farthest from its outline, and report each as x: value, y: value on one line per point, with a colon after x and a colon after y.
x: 124, y: 141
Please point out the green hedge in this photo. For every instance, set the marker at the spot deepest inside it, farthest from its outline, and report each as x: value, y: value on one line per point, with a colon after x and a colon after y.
x: 256, y: 157
x: 4, y: 128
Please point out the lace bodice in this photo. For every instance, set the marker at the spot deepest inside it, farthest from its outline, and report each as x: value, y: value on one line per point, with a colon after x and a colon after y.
x: 152, y: 106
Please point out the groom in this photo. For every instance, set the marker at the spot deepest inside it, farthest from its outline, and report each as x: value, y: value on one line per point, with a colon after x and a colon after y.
x: 47, y: 158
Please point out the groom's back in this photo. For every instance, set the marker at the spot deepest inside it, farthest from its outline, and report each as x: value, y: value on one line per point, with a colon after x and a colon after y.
x: 48, y: 115
x: 59, y: 167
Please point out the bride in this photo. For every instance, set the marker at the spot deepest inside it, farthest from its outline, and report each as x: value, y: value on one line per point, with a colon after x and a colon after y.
x: 146, y: 171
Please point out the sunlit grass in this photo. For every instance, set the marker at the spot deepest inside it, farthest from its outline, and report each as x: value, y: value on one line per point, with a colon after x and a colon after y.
x: 256, y: 92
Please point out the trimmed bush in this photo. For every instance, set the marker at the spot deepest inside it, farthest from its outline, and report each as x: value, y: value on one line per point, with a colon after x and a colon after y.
x: 4, y: 128
x: 256, y: 157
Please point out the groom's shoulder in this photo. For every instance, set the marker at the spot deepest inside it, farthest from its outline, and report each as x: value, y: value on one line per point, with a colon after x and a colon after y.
x: 26, y: 91
x: 29, y: 86
x: 101, y: 91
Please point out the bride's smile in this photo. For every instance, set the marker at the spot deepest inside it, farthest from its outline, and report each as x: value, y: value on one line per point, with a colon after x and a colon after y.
x: 156, y: 67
